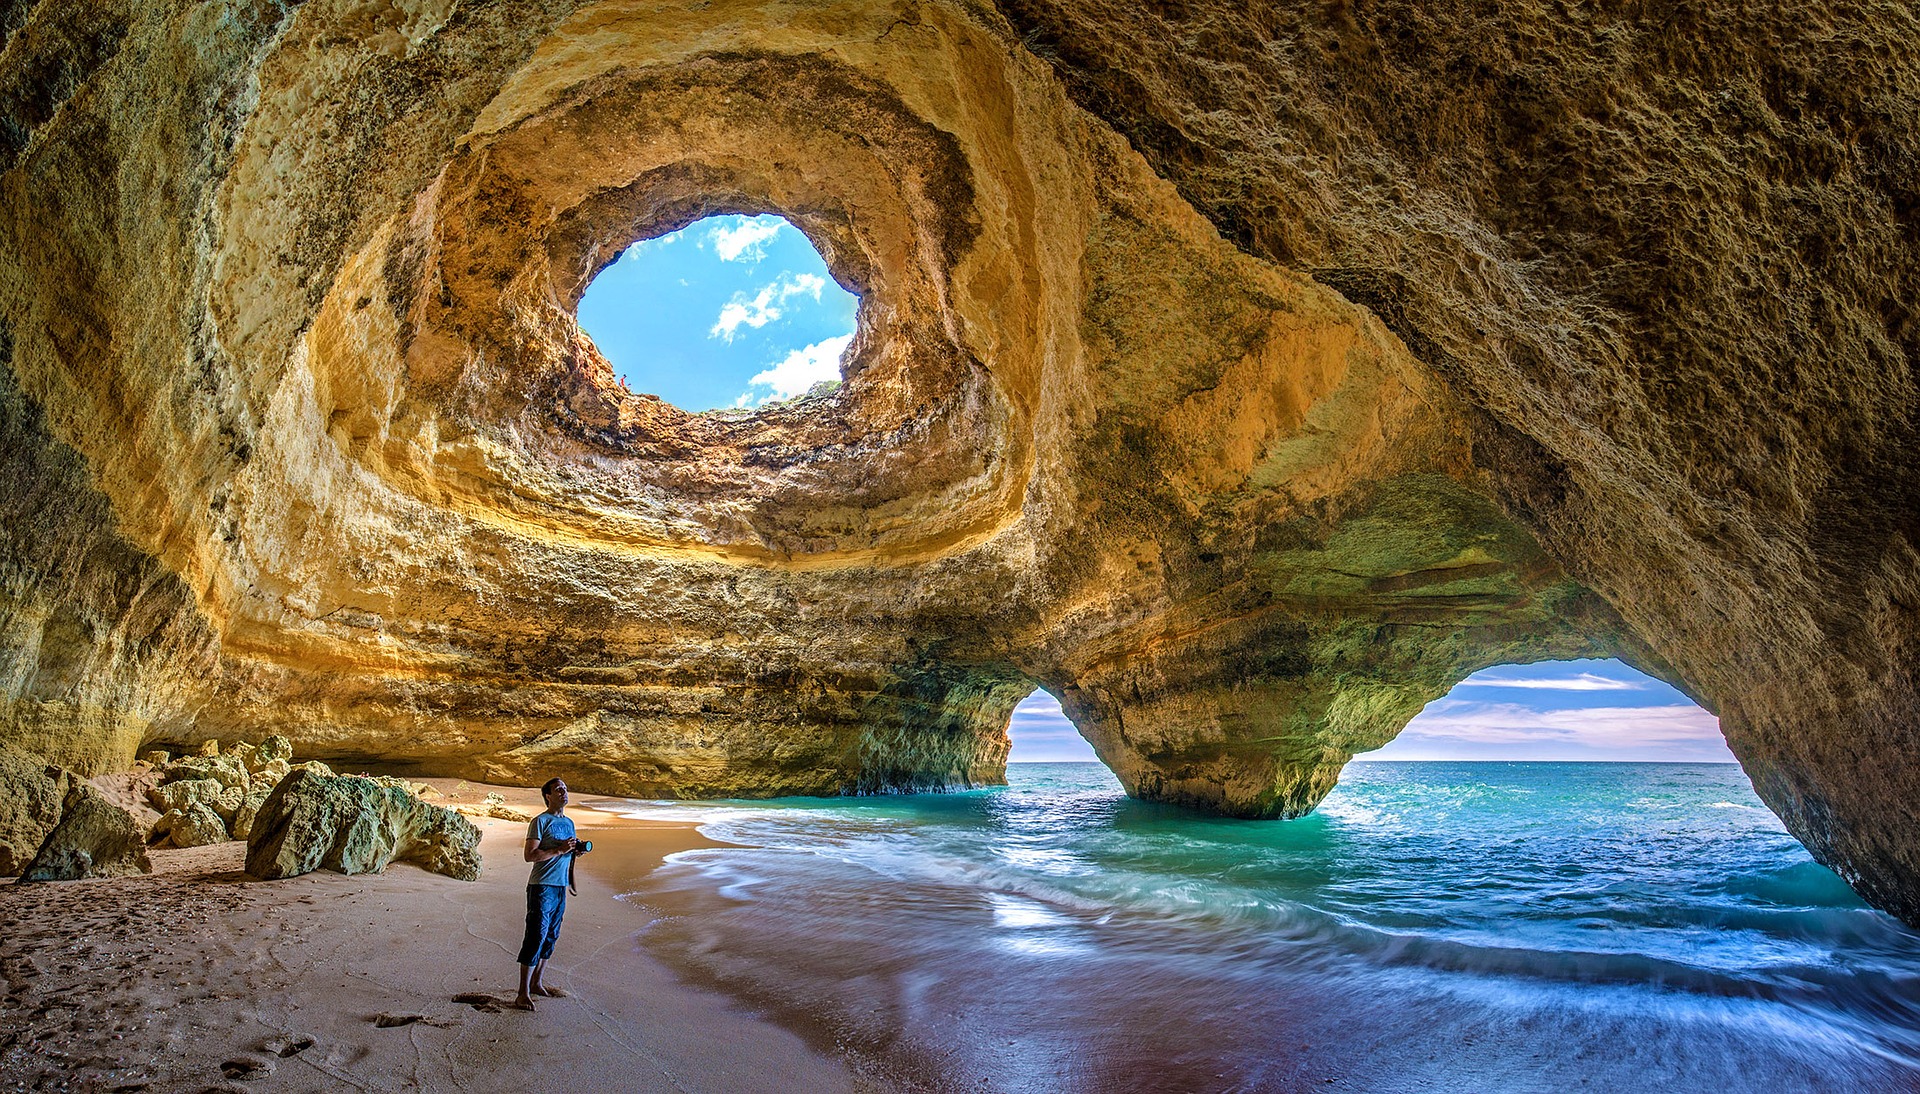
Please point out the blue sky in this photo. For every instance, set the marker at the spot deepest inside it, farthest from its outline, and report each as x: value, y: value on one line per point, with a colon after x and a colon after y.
x: 729, y: 311
x: 1552, y: 710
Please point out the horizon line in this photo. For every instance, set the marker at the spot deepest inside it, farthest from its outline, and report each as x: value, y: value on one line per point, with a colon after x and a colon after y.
x: 1480, y: 760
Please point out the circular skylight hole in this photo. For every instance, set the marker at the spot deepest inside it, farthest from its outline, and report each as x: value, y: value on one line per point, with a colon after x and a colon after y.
x: 730, y: 312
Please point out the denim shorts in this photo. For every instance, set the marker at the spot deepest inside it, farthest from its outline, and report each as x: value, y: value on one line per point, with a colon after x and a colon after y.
x: 545, y: 905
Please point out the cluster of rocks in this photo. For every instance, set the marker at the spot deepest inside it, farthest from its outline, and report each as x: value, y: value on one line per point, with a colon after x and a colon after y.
x: 55, y: 826
x: 300, y: 817
x: 295, y: 817
x: 493, y: 807
x: 215, y: 796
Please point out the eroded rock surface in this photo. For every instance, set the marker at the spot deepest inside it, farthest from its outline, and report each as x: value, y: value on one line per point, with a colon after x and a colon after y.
x: 1244, y: 375
x: 355, y: 825
x: 33, y: 794
x: 95, y: 838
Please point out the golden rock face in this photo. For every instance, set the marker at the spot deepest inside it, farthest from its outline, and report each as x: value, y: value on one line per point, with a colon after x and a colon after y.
x: 1244, y: 412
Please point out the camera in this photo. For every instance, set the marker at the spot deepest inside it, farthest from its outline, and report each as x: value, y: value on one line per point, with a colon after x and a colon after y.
x: 584, y: 846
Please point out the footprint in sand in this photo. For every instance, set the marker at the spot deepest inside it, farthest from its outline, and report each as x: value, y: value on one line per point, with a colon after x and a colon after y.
x: 481, y: 1001
x: 388, y: 1021
x: 246, y: 1067
x: 285, y: 1047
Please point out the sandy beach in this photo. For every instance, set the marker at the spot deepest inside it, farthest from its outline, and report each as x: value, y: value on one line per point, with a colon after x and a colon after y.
x: 198, y: 977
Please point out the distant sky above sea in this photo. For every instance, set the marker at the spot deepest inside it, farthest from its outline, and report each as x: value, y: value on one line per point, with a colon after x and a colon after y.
x: 738, y: 311
x: 1548, y: 711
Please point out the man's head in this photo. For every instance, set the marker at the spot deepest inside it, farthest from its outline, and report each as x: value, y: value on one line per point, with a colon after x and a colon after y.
x: 555, y: 793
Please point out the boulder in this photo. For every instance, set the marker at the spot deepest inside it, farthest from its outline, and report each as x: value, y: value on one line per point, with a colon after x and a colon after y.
x: 269, y: 772
x: 243, y: 818
x: 228, y: 802
x: 275, y: 747
x: 356, y: 825
x: 170, y: 796
x: 95, y: 838
x: 195, y: 826
x: 32, y: 797
x: 226, y: 770
x: 493, y: 806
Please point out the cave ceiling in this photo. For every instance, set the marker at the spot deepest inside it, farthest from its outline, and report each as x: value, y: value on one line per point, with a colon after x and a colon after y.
x: 1244, y: 375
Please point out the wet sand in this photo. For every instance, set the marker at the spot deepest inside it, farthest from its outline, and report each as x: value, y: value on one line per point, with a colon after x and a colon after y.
x: 198, y: 978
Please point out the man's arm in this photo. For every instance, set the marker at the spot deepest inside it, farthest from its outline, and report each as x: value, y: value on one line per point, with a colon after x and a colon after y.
x: 534, y: 852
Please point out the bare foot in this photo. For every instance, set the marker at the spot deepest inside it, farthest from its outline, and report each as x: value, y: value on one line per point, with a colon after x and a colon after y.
x: 551, y: 993
x: 522, y: 1003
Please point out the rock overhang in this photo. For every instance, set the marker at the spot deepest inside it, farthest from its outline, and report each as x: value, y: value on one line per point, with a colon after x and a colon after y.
x: 434, y: 490
x: 1223, y: 511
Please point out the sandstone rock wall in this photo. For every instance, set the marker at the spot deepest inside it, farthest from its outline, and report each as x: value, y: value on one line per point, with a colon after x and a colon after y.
x: 1244, y: 375
x: 1668, y: 256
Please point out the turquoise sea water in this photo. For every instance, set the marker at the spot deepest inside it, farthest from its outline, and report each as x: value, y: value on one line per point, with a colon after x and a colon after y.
x: 1433, y: 926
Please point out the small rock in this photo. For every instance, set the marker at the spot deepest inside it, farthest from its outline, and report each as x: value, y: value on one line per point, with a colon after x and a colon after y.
x: 249, y: 810
x: 227, y: 803
x: 269, y: 773
x: 224, y: 770
x: 181, y: 793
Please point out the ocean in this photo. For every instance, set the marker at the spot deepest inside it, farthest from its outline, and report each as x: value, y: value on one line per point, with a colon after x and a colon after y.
x: 1432, y: 927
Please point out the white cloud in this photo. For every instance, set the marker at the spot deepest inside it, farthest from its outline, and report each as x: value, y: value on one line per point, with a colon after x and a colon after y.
x: 746, y: 241
x: 801, y: 369
x: 1460, y: 729
x: 803, y: 284
x: 742, y: 311
x: 1585, y: 681
x: 766, y: 305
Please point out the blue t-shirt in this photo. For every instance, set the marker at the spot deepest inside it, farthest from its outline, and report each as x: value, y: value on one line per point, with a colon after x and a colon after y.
x: 549, y: 829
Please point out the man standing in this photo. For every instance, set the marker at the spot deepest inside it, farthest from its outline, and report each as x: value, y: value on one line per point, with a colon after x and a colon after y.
x: 550, y: 847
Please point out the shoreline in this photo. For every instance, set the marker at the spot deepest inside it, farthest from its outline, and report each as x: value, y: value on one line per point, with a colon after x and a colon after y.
x: 198, y: 977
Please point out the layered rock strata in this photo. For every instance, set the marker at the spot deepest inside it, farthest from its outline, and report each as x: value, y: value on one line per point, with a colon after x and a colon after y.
x: 1245, y: 376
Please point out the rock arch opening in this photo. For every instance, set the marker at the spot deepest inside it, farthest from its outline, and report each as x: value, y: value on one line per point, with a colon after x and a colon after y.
x: 730, y: 313
x: 1039, y: 731
x: 1589, y: 710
